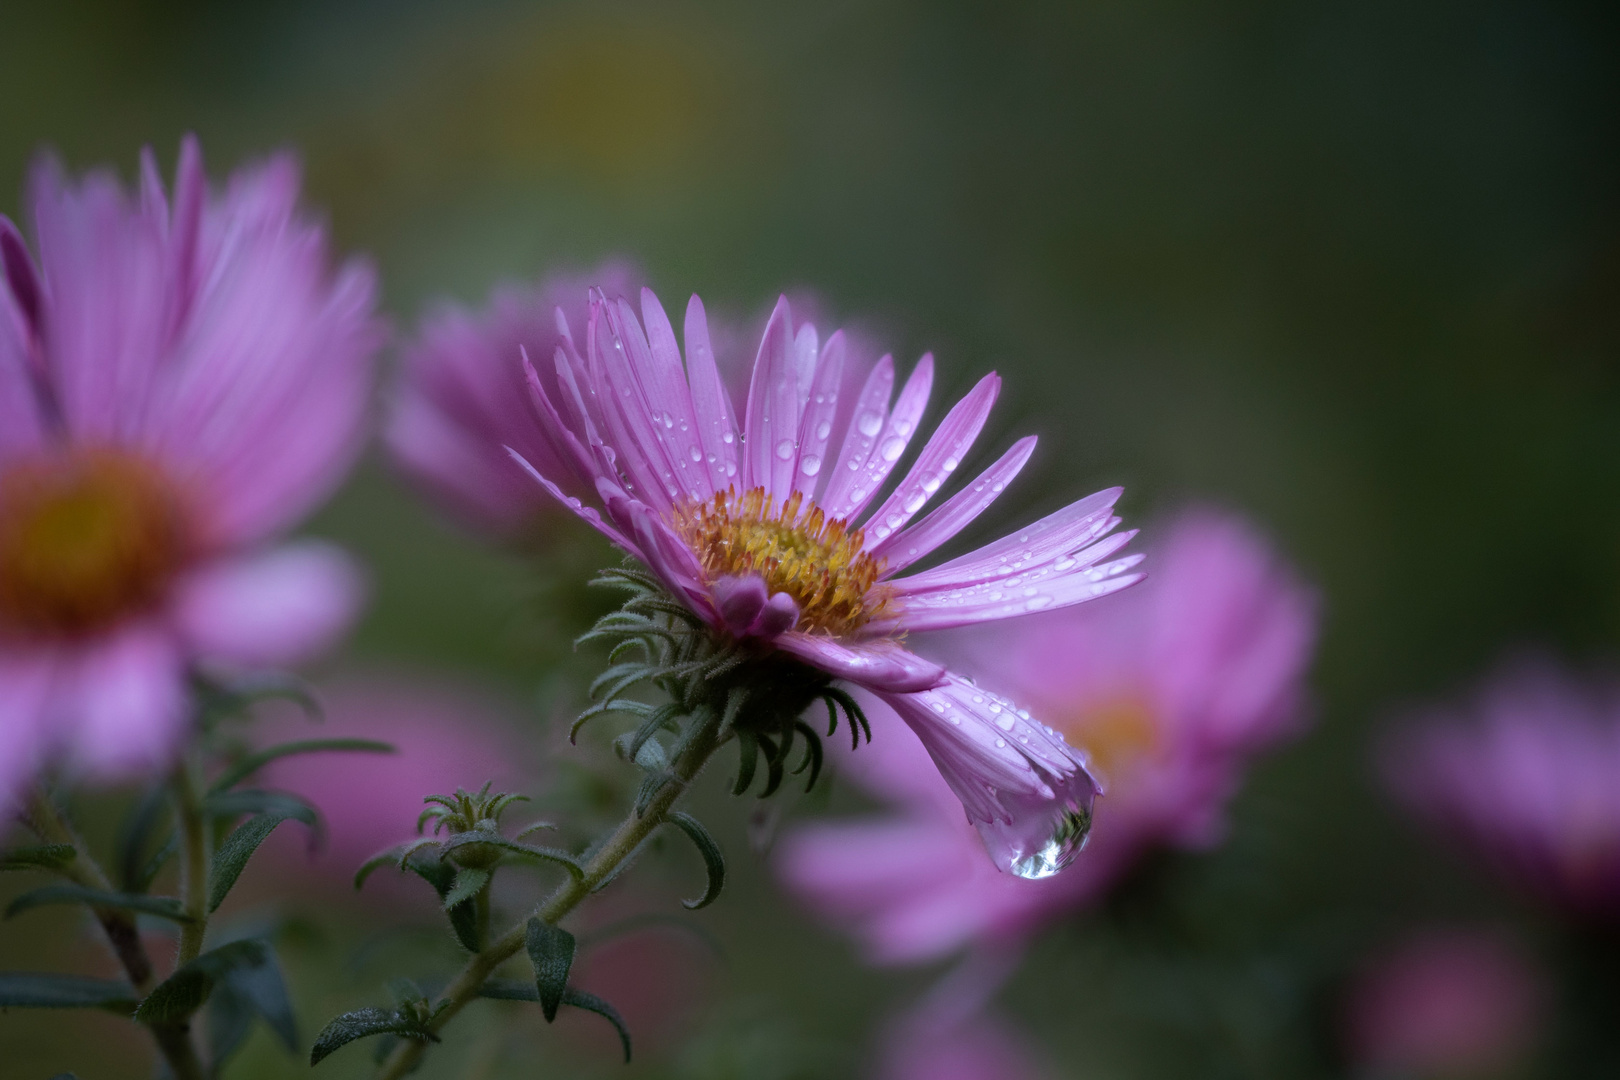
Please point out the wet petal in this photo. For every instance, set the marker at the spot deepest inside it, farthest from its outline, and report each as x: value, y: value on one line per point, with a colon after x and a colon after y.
x: 878, y: 666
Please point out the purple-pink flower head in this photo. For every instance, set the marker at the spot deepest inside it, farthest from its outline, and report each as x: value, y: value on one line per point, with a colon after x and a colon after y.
x: 463, y: 397
x: 1446, y: 1002
x: 1171, y: 690
x: 772, y: 532
x: 182, y: 377
x: 1524, y: 778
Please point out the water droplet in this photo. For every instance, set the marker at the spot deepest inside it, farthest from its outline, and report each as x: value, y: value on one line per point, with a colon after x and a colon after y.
x: 931, y: 484
x: 697, y: 454
x: 824, y: 429
x: 903, y: 427
x: 784, y: 449
x: 1058, y: 851
x: 669, y: 420
x: 1062, y: 564
x: 892, y: 448
x: 810, y: 465
x: 1038, y: 603
x: 915, y: 502
x: 869, y: 424
x: 950, y: 464
x: 1005, y: 723
x: 727, y: 438
x: 731, y: 468
x: 1001, y: 744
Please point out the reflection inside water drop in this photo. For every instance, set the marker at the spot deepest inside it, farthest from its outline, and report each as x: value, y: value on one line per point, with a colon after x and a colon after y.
x: 1058, y: 851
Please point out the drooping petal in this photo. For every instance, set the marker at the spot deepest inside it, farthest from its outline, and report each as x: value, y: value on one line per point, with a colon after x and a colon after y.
x: 270, y: 610
x: 587, y: 514
x: 879, y: 665
x: 124, y: 699
x: 716, y: 422
x: 942, y: 455
x: 942, y: 523
x: 772, y: 424
x: 1027, y: 791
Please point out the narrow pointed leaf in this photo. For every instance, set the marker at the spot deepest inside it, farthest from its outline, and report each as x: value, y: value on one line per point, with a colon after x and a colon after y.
x: 30, y: 990
x: 183, y: 993
x: 256, y: 761
x: 360, y: 1023
x: 234, y: 853
x: 714, y: 862
x: 747, y: 759
x: 382, y: 858
x: 468, y: 883
x: 551, y: 951
x: 579, y: 999
x: 509, y: 990
x: 234, y: 804
x: 164, y: 907
x: 37, y: 857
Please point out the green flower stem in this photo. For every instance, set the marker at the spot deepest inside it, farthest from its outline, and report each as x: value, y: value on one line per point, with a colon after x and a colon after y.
x: 173, y: 1040
x: 620, y: 846
x: 194, y: 865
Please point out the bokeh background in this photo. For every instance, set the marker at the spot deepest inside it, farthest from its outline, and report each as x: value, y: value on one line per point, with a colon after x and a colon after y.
x: 1353, y: 269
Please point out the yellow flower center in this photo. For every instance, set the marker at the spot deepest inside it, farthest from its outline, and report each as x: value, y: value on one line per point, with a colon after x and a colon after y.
x: 818, y: 561
x: 1117, y: 733
x: 85, y: 538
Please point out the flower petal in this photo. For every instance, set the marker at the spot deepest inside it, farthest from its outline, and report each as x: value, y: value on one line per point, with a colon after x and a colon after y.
x: 947, y: 447
x: 124, y: 700
x: 865, y: 424
x: 815, y: 429
x: 1038, y: 589
x: 25, y: 724
x: 770, y: 456
x: 897, y: 433
x: 878, y: 666
x: 711, y: 403
x: 664, y: 379
x: 273, y: 609
x: 944, y: 522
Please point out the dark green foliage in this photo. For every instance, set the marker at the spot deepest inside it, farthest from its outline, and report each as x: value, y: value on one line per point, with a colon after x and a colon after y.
x: 226, y: 806
x: 252, y: 763
x: 164, y: 907
x: 517, y: 990
x: 241, y: 993
x: 713, y: 861
x: 234, y: 853
x: 551, y: 951
x: 183, y: 993
x: 363, y: 1022
x: 217, y: 701
x: 136, y: 868
x: 37, y: 857
x: 28, y: 990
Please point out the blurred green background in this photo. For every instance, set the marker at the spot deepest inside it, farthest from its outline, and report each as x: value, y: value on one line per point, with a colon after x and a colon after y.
x: 1351, y: 268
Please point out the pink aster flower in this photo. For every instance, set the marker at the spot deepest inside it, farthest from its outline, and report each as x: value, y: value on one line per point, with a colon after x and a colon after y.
x: 953, y: 1033
x: 181, y: 379
x: 1524, y: 779
x: 1170, y: 690
x: 1454, y: 1003
x: 768, y: 532
x: 463, y: 398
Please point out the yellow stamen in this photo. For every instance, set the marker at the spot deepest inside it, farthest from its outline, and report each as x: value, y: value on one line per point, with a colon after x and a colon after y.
x: 1116, y: 733
x: 820, y: 562
x: 85, y: 538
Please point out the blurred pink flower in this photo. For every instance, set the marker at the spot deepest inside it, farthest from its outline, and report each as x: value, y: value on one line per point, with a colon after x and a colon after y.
x: 1170, y: 690
x: 463, y: 398
x: 180, y: 381
x: 445, y: 737
x: 1451, y: 1003
x: 767, y: 536
x: 978, y: 1047
x: 1525, y: 779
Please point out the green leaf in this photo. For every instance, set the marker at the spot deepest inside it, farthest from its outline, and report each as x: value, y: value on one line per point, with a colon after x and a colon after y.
x: 183, y: 993
x: 469, y: 882
x: 442, y: 876
x: 509, y: 990
x: 360, y: 1023
x: 28, y: 990
x: 242, y: 993
x: 234, y: 804
x: 256, y: 761
x: 164, y: 907
x: 234, y: 853
x: 143, y: 878
x: 551, y: 951
x: 527, y: 851
x: 217, y: 700
x: 38, y: 857
x: 579, y: 999
x: 714, y: 862
x: 747, y: 760
x: 134, y: 832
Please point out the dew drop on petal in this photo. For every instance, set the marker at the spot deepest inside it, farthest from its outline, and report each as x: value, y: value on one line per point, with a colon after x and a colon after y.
x: 869, y: 424
x: 784, y: 449
x: 950, y: 464
x: 810, y: 465
x: 824, y: 429
x: 697, y: 454
x: 915, y: 502
x: 731, y: 468
x: 892, y: 448
x: 1059, y: 850
x: 726, y: 438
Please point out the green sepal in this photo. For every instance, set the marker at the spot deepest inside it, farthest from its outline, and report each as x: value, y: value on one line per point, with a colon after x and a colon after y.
x: 714, y: 862
x: 31, y: 990
x: 551, y: 951
x: 258, y: 760
x: 747, y: 760
x: 359, y: 1024
x: 38, y: 857
x: 234, y: 853
x: 164, y: 907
